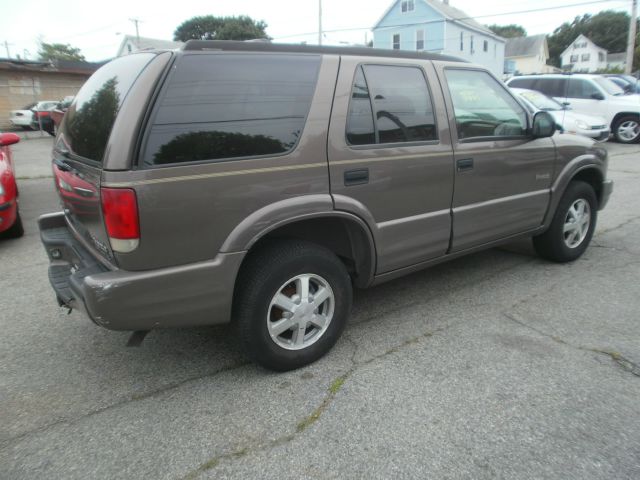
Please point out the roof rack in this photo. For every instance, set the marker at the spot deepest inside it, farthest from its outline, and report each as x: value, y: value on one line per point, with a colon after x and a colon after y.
x: 231, y: 45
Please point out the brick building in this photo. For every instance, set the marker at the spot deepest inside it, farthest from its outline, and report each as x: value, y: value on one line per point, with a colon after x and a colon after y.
x: 23, y: 82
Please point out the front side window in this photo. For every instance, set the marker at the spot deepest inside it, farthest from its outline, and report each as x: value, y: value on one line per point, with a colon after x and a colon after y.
x: 420, y: 40
x: 471, y: 46
x: 586, y: 57
x: 553, y: 87
x: 573, y: 58
x: 396, y: 41
x: 580, y: 88
x: 398, y: 102
x: 486, y: 46
x: 223, y: 106
x: 461, y: 41
x: 482, y: 107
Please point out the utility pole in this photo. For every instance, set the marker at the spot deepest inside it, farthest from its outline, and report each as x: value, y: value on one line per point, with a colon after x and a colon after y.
x: 6, y: 46
x: 631, y: 41
x: 135, y: 22
x: 320, y: 22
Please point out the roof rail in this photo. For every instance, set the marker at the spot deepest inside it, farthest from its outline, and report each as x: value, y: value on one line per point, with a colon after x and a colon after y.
x: 238, y: 46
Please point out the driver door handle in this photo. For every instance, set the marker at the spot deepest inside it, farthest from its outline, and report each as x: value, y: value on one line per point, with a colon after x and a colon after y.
x: 464, y: 164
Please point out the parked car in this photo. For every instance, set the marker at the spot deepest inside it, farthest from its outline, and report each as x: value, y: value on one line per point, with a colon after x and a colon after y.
x: 23, y: 117
x: 59, y: 110
x: 10, y: 222
x: 42, y: 116
x: 258, y: 183
x: 591, y: 95
x: 628, y: 83
x: 566, y: 120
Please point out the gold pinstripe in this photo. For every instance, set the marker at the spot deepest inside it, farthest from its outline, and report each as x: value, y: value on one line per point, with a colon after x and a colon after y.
x: 152, y: 181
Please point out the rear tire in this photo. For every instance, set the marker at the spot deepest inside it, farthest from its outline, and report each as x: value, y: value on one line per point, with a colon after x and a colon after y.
x: 572, y: 226
x: 16, y: 230
x: 627, y: 129
x: 311, y: 319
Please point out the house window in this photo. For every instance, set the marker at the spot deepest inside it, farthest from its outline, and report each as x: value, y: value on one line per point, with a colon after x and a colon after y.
x: 573, y: 59
x: 585, y: 57
x: 461, y: 41
x: 419, y: 39
x: 486, y: 46
x: 471, y: 46
x: 396, y: 41
x: 600, y: 56
x: 407, y: 6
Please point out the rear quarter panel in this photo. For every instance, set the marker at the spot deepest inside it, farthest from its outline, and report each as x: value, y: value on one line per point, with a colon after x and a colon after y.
x: 188, y: 211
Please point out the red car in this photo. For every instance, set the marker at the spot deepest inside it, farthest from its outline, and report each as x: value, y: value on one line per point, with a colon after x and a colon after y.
x: 10, y: 222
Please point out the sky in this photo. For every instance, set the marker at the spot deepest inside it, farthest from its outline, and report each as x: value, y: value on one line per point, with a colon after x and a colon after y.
x: 97, y: 28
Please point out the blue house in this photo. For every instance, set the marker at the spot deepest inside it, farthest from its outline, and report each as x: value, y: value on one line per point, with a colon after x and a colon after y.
x: 435, y: 26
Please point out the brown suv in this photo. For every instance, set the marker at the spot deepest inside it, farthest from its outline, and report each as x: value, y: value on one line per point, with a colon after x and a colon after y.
x: 256, y: 183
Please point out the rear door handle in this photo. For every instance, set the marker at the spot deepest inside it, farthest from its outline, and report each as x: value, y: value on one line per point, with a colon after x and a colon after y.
x: 356, y: 177
x: 464, y: 164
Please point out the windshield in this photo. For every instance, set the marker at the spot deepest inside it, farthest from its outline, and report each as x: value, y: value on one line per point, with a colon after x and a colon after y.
x: 541, y: 101
x: 87, y: 124
x: 609, y: 87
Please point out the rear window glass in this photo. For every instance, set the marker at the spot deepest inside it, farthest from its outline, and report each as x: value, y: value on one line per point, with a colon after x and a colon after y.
x: 88, y: 122
x: 224, y: 106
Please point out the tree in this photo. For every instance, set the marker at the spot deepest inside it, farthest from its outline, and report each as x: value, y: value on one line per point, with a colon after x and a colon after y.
x: 209, y: 27
x: 59, y: 51
x: 606, y: 29
x: 508, y: 31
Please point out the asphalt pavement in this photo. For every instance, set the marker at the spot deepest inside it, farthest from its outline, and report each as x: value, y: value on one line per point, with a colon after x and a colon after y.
x: 496, y: 365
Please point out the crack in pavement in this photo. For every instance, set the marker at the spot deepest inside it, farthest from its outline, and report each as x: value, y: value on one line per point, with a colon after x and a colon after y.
x: 619, y: 226
x: 7, y: 443
x: 332, y: 392
x: 620, y: 360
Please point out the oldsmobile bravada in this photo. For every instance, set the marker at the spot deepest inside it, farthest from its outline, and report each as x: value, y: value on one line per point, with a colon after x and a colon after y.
x: 258, y: 183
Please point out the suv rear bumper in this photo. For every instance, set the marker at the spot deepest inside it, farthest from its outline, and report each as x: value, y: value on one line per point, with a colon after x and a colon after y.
x: 189, y: 295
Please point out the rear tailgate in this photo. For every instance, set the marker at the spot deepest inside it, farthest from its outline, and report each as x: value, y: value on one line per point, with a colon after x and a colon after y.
x: 81, y: 144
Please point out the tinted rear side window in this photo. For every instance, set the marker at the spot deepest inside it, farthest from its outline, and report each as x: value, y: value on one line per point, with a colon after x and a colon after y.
x: 88, y: 122
x: 223, y: 106
x: 398, y: 99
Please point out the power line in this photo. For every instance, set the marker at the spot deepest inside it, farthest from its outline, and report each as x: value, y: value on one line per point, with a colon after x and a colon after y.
x: 531, y: 10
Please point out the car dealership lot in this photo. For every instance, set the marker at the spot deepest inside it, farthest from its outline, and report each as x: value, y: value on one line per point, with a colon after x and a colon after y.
x: 494, y: 365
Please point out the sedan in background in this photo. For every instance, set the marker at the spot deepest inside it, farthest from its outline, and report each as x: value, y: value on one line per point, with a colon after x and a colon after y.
x: 42, y: 116
x: 628, y: 83
x: 10, y: 222
x: 22, y: 118
x: 566, y: 120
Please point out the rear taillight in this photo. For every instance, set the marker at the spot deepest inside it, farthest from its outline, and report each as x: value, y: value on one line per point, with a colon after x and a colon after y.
x: 120, y: 210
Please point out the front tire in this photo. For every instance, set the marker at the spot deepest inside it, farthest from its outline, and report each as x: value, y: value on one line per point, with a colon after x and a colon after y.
x: 627, y: 129
x: 292, y: 303
x: 572, y: 226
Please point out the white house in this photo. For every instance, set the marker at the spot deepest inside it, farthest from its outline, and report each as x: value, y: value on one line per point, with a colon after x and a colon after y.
x: 131, y: 43
x: 527, y: 55
x: 584, y: 56
x: 435, y: 26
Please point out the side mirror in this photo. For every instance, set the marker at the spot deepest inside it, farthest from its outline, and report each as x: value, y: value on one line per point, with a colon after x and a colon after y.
x: 544, y: 125
x: 7, y: 139
x: 597, y: 96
